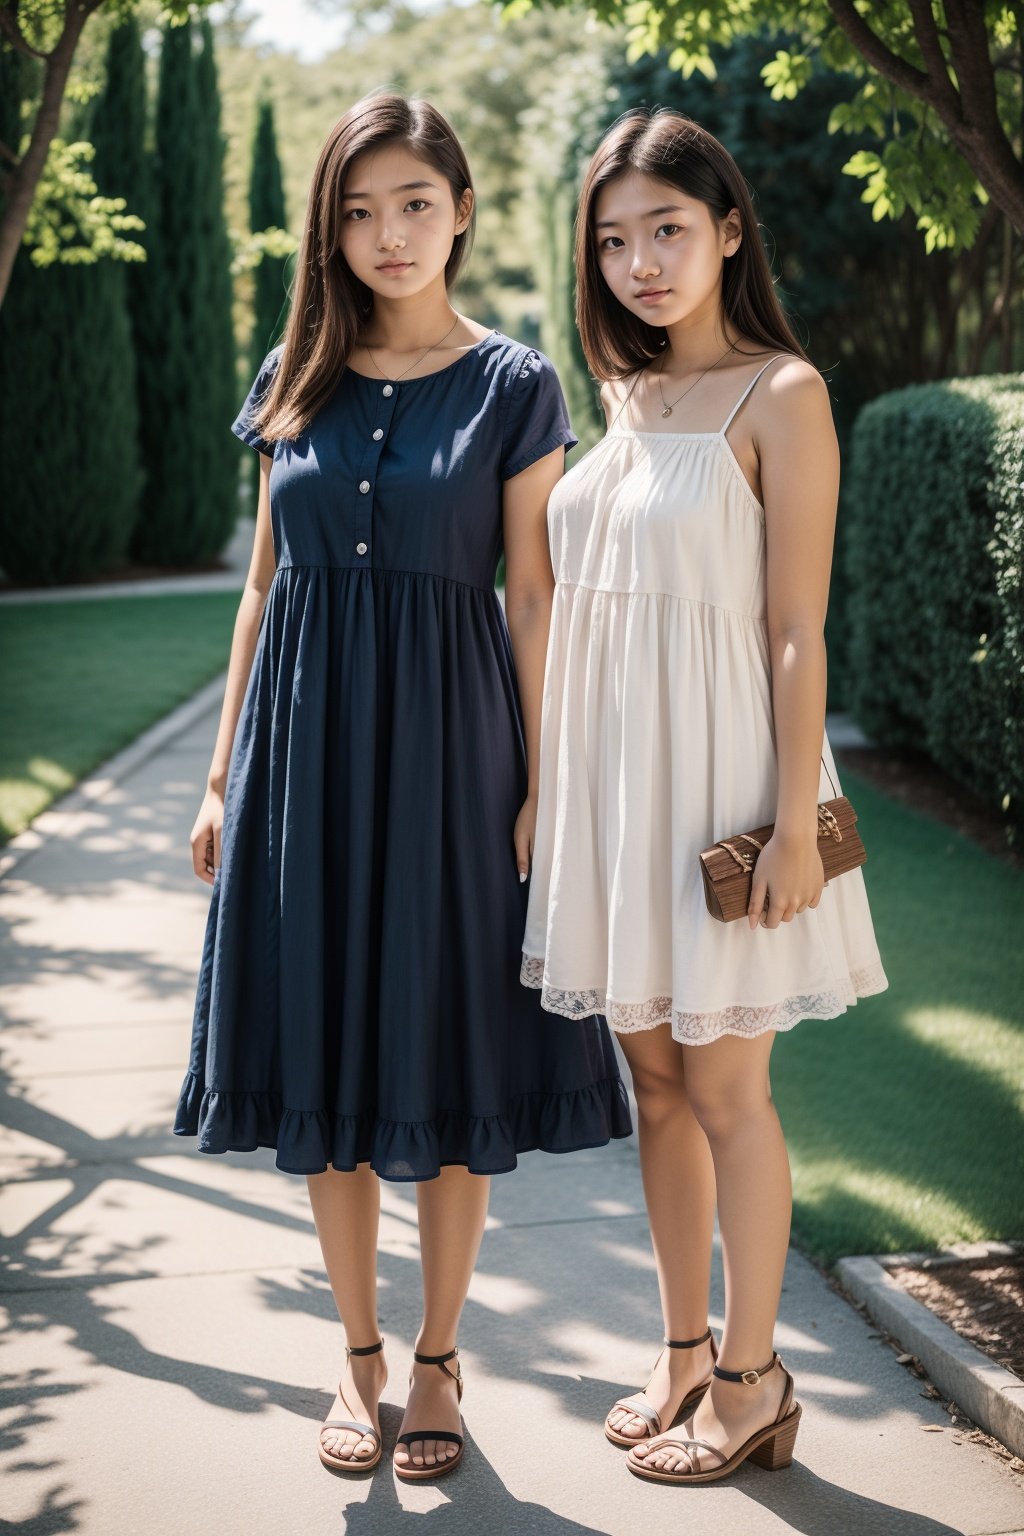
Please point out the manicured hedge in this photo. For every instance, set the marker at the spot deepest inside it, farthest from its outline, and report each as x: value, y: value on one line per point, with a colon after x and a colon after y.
x: 934, y: 535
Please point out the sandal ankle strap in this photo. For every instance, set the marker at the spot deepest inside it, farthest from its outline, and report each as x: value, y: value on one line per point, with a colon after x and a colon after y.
x: 365, y: 1349
x: 688, y: 1343
x: 751, y: 1378
x: 435, y: 1359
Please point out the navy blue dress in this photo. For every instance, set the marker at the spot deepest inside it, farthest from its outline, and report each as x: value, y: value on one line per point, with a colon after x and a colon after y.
x: 359, y: 996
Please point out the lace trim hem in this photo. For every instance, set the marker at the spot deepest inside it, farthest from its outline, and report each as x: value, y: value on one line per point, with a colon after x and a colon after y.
x: 737, y: 1019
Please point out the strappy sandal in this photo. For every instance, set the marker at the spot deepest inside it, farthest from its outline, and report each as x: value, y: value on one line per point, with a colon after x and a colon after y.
x: 409, y: 1473
x: 353, y: 1464
x: 639, y: 1404
x: 770, y: 1447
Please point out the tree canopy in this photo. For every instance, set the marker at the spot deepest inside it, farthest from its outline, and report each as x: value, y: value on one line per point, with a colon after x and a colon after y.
x: 936, y: 84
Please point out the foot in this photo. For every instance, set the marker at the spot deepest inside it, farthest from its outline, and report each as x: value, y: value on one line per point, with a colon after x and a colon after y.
x: 675, y: 1375
x: 434, y: 1404
x: 728, y: 1414
x: 357, y: 1398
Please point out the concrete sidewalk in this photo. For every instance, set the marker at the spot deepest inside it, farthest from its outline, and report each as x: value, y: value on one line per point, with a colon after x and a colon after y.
x: 171, y: 1341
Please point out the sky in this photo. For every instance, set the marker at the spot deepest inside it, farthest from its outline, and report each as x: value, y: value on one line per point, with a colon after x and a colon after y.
x: 296, y: 26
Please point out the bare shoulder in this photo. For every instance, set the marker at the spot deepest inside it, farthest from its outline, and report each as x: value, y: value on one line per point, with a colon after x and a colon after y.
x: 795, y: 386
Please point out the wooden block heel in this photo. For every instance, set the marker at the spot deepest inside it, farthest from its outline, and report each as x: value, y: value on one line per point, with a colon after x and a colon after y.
x: 776, y: 1453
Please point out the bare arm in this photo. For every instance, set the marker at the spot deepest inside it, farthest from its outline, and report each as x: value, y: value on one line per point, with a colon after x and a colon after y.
x: 205, y: 837
x: 799, y: 458
x: 529, y: 584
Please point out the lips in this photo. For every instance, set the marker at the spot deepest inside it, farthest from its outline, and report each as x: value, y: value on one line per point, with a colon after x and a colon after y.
x: 394, y: 266
x: 651, y: 293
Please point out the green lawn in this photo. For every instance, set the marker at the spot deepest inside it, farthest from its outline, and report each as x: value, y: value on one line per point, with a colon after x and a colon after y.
x: 78, y: 680
x: 905, y: 1117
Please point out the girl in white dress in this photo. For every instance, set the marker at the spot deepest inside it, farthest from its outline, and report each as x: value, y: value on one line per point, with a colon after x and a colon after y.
x: 684, y: 701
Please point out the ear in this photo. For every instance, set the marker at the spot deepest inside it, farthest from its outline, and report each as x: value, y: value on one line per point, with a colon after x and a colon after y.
x: 464, y: 211
x: 732, y: 229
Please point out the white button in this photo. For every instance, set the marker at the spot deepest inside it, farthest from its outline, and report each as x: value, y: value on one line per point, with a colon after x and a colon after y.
x: 378, y: 434
x: 364, y: 486
x: 388, y: 389
x: 360, y: 549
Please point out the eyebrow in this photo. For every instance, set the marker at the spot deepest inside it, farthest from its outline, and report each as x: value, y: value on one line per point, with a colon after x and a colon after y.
x: 407, y: 186
x: 650, y: 214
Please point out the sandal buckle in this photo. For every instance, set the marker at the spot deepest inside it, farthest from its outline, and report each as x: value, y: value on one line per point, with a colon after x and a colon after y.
x: 751, y: 1378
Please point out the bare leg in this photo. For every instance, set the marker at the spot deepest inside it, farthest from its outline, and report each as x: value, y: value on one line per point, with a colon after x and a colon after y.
x: 346, y: 1210
x: 452, y: 1212
x: 731, y: 1097
x: 679, y: 1188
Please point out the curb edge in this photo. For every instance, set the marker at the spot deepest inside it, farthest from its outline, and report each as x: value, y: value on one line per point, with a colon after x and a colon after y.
x: 63, y: 817
x: 990, y: 1395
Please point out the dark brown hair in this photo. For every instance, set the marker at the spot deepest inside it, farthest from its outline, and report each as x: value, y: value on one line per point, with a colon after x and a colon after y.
x: 330, y: 305
x: 672, y: 147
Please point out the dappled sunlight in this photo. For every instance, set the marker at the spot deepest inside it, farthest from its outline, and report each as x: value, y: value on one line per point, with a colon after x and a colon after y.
x: 984, y: 1041
x: 505, y: 1294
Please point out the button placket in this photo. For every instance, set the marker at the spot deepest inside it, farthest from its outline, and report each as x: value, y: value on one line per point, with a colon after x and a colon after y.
x: 368, y: 472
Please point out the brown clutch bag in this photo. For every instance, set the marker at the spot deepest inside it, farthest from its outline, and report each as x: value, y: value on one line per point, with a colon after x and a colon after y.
x: 728, y: 865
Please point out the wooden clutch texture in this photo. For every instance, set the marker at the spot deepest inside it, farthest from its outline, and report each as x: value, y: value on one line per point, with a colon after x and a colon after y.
x: 728, y: 865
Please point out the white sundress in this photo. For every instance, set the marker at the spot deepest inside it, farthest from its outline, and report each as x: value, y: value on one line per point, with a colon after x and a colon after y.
x: 658, y: 738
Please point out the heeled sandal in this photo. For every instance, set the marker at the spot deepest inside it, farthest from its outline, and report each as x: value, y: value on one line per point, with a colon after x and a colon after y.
x: 409, y: 1473
x: 770, y: 1447
x: 639, y: 1404
x: 353, y: 1464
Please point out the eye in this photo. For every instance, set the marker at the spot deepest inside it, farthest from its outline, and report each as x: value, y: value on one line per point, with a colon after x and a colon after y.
x: 422, y: 201
x: 610, y: 243
x: 354, y: 214
x: 672, y: 229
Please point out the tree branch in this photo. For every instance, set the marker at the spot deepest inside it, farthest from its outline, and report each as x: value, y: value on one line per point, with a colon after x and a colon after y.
x: 927, y: 35
x: 867, y: 43
x: 24, y: 179
x: 13, y: 33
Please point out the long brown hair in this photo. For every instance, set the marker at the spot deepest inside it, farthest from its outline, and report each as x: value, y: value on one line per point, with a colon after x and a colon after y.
x: 330, y: 305
x: 671, y: 147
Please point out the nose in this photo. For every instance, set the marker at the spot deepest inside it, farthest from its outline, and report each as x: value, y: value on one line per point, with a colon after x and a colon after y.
x: 390, y: 240
x: 643, y: 264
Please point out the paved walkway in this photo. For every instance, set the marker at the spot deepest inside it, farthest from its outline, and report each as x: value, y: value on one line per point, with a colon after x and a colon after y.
x: 171, y: 1343
x: 234, y: 563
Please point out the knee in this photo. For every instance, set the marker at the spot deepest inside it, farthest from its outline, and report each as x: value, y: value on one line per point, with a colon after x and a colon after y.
x: 724, y: 1112
x: 660, y: 1092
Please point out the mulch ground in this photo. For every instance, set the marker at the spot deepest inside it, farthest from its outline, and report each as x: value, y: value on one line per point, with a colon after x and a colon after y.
x: 914, y: 780
x: 981, y: 1299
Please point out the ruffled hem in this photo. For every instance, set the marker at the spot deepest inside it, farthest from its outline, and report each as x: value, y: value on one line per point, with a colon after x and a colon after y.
x: 308, y: 1140
x: 690, y: 1028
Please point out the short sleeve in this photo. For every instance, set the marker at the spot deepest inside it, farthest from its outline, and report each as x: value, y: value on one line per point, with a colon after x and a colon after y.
x: 242, y: 426
x: 536, y: 418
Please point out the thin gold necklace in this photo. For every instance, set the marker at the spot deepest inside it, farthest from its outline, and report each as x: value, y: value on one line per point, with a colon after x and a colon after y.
x: 416, y: 360
x: 667, y: 411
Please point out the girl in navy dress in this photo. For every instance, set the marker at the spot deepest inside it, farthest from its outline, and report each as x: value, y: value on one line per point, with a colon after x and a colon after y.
x: 369, y: 819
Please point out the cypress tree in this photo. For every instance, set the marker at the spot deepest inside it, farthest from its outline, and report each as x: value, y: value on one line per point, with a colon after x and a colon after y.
x: 186, y: 379
x: 266, y: 211
x: 123, y: 168
x: 218, y: 385
x: 67, y: 422
x: 270, y: 279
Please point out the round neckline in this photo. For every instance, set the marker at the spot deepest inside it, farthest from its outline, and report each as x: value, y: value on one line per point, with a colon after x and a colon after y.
x: 401, y: 383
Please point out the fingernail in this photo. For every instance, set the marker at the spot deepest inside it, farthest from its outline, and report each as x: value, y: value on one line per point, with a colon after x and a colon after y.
x: 522, y: 876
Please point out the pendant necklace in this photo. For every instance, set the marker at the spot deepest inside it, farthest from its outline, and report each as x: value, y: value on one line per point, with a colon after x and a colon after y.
x: 667, y: 411
x: 416, y: 360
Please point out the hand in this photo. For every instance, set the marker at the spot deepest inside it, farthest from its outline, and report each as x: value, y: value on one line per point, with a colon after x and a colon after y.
x: 523, y: 837
x: 790, y: 874
x: 205, y: 838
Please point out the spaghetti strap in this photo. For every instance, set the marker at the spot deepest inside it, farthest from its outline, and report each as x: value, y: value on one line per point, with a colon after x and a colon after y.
x: 723, y: 430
